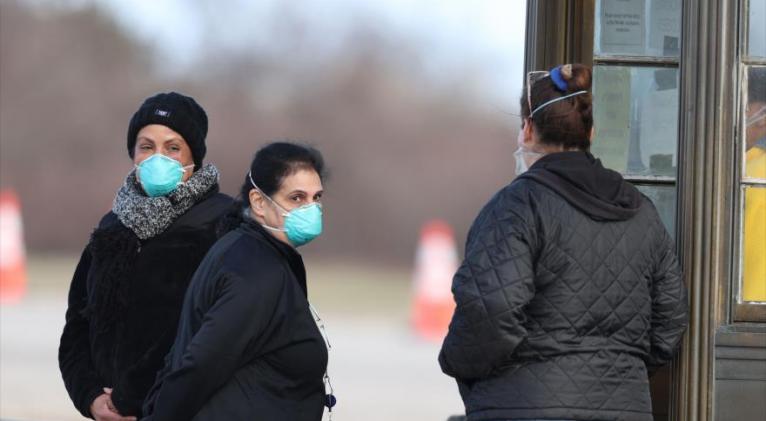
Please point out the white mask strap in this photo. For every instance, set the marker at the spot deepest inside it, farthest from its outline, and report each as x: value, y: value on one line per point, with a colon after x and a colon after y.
x: 284, y: 211
x: 270, y: 228
x: 544, y: 104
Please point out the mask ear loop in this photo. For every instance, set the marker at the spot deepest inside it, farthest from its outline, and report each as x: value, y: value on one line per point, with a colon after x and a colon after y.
x: 330, y: 399
x: 545, y: 104
x: 284, y: 211
x: 183, y: 171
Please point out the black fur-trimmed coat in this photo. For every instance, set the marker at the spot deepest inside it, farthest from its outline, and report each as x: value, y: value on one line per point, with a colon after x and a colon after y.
x: 124, y: 304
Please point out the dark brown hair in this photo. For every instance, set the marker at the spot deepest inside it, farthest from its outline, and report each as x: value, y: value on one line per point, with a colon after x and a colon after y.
x: 270, y: 166
x: 567, y: 122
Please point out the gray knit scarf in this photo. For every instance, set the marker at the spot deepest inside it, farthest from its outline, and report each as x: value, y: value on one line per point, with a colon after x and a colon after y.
x: 149, y: 216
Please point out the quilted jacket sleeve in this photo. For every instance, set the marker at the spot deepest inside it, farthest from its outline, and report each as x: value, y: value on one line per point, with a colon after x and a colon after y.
x: 80, y: 377
x: 670, y: 312
x: 491, y: 288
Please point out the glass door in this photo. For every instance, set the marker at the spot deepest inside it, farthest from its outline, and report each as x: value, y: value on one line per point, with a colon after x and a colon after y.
x: 636, y: 52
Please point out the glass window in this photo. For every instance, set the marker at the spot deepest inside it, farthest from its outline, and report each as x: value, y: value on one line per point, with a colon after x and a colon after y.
x: 664, y: 199
x: 753, y: 286
x: 638, y: 28
x: 751, y: 290
x: 756, y: 46
x: 754, y: 244
x: 636, y: 119
x: 755, y: 122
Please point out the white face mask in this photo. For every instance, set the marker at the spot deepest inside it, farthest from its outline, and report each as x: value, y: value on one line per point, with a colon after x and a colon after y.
x: 524, y: 157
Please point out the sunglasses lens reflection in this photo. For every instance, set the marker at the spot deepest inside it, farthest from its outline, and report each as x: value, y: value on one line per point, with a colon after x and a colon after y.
x: 532, y: 78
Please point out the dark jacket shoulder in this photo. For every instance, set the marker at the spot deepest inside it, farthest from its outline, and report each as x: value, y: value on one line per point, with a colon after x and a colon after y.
x: 207, y: 210
x: 245, y: 251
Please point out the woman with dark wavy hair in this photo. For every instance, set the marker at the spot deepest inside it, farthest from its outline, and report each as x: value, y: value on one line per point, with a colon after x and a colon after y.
x: 248, y: 346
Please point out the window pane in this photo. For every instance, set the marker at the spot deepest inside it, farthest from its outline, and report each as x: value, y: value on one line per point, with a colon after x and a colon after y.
x: 664, y: 199
x: 754, y: 245
x: 636, y: 119
x: 755, y: 123
x: 756, y: 28
x: 638, y: 28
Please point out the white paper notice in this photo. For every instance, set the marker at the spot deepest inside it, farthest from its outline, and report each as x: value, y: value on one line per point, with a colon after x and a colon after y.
x: 622, y: 26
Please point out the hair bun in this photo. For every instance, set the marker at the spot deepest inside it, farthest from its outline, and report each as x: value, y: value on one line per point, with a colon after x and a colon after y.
x: 580, y: 77
x: 566, y: 71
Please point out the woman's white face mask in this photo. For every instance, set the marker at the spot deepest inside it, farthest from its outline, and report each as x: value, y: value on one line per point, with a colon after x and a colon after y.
x: 524, y: 157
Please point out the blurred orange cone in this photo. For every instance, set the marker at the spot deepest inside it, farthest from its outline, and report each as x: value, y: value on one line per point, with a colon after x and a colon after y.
x: 13, y: 271
x: 435, y: 265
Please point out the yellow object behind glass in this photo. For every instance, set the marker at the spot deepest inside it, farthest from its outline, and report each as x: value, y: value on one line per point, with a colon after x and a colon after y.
x: 754, y: 233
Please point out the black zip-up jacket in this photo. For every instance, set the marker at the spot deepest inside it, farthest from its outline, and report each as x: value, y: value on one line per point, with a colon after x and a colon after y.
x: 569, y: 293
x: 247, y: 345
x: 122, y: 344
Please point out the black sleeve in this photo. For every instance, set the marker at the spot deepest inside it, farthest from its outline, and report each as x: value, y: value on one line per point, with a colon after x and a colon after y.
x: 670, y: 307
x: 240, y: 313
x: 133, y: 385
x: 491, y: 288
x: 80, y: 377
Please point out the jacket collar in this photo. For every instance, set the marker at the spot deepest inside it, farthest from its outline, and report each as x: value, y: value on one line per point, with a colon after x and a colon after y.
x: 581, y: 180
x: 288, y: 252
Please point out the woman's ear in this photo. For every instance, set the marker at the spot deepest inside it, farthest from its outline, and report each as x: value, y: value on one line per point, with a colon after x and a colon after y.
x: 527, y: 136
x: 257, y: 203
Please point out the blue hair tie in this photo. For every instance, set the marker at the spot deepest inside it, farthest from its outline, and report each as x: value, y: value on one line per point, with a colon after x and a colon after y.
x: 558, y: 80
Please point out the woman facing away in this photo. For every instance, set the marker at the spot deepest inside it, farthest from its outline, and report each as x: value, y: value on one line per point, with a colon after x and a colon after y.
x: 248, y: 346
x: 127, y: 290
x: 570, y: 293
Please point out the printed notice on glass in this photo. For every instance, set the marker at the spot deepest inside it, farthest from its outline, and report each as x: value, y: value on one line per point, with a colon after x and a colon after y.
x: 622, y: 26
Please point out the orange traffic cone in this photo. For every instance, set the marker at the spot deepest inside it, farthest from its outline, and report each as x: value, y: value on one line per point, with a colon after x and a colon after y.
x: 435, y: 264
x: 13, y: 273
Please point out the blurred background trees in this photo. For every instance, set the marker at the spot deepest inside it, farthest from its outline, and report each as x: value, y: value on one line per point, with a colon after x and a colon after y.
x: 405, y: 141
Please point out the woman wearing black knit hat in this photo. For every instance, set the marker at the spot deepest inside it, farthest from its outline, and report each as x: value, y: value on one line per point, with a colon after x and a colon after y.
x: 128, y: 287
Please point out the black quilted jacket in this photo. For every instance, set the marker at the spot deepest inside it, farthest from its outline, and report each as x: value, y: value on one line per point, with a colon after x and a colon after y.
x: 570, y: 292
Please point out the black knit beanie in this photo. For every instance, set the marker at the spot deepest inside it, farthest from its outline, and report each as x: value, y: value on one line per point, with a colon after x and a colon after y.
x: 179, y: 112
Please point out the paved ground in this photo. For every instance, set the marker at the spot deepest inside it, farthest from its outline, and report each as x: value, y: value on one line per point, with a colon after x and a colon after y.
x: 379, y: 369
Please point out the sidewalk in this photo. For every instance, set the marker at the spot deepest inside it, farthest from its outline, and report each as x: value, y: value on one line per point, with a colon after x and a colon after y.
x: 379, y: 370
